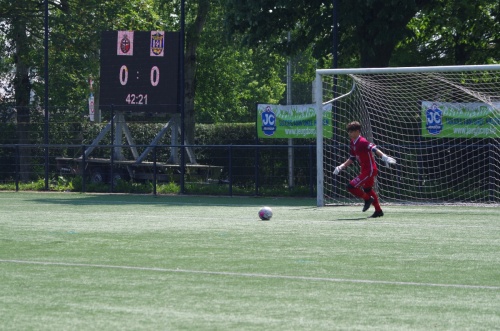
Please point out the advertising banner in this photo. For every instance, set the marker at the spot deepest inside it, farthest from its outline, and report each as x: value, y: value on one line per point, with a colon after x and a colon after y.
x: 460, y: 120
x: 291, y: 121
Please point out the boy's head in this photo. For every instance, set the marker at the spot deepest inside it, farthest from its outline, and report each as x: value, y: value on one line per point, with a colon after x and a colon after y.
x: 353, y: 126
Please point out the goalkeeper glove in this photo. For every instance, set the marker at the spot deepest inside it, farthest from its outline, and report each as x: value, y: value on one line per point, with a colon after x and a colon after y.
x: 338, y: 169
x: 388, y: 160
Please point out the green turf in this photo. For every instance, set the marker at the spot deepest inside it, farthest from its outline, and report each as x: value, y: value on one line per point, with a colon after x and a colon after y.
x: 123, y: 262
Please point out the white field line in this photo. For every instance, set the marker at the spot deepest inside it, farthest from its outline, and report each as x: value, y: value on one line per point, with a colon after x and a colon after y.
x: 252, y: 275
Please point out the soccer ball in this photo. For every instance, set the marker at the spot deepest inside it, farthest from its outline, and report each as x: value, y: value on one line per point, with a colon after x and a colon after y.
x: 265, y: 213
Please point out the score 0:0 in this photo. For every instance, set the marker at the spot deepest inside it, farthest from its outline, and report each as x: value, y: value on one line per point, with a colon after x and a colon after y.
x: 154, y: 75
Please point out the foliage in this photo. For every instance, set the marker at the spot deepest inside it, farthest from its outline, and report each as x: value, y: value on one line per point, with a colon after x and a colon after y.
x: 226, y: 133
x: 230, y: 77
x: 461, y: 32
x: 229, y: 90
x: 423, y: 32
x: 369, y: 29
x: 168, y: 188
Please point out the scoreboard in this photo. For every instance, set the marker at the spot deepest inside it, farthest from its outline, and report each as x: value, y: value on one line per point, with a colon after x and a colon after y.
x: 140, y: 71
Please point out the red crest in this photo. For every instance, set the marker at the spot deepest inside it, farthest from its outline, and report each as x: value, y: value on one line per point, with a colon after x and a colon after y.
x: 125, y: 44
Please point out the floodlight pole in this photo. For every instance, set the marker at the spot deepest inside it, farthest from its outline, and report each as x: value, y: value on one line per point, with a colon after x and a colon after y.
x: 335, y: 66
x: 46, y: 95
x: 289, y: 102
x: 335, y: 33
x: 182, y: 92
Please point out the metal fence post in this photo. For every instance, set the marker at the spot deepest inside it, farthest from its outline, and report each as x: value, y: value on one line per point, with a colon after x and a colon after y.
x: 311, y: 171
x: 257, y: 163
x: 112, y: 156
x: 84, y: 179
x: 18, y: 167
x: 154, y: 170
x: 230, y: 170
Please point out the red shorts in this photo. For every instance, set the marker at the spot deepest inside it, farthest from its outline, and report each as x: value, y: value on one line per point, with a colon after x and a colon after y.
x: 364, y: 180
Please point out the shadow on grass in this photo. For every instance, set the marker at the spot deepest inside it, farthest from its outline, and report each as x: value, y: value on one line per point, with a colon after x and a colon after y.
x: 352, y: 219
x: 86, y: 199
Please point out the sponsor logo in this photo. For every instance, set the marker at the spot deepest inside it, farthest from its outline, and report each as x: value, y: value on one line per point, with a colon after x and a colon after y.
x: 434, y: 120
x: 268, y: 121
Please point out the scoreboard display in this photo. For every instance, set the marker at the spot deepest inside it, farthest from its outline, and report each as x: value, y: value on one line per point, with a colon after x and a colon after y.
x: 140, y: 71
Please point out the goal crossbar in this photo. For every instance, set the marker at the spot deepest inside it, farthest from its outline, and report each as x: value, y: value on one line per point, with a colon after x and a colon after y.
x: 388, y: 70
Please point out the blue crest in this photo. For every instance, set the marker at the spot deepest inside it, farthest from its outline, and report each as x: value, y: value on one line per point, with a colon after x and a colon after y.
x: 268, y: 121
x: 434, y: 118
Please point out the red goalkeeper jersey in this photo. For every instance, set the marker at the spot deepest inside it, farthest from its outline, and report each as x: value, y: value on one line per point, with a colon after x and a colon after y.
x: 361, y: 149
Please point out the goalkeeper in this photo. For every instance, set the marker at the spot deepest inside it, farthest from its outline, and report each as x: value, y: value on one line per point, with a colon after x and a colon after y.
x: 362, y: 150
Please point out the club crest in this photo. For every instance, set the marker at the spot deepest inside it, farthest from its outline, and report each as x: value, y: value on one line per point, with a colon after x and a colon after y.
x: 125, y: 43
x: 157, y: 43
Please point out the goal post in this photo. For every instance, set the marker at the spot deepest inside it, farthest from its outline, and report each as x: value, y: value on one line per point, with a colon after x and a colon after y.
x: 441, y: 124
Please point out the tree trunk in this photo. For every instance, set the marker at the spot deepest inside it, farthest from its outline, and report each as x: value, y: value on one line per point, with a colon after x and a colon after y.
x: 192, y: 41
x: 22, y: 89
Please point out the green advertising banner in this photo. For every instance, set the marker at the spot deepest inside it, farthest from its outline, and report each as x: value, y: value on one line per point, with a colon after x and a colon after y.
x: 460, y: 120
x: 291, y: 121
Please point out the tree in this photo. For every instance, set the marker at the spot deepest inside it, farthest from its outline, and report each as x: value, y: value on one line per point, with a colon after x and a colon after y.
x: 378, y: 26
x: 231, y: 79
x: 369, y: 29
x: 222, y: 79
x: 20, y: 25
x: 461, y: 32
x: 193, y: 38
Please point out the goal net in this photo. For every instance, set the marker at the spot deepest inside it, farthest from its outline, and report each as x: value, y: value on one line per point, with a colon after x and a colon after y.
x: 441, y: 124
